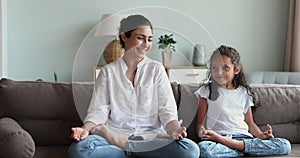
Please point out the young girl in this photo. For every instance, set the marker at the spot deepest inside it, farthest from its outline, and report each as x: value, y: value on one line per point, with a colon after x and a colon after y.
x: 224, y: 106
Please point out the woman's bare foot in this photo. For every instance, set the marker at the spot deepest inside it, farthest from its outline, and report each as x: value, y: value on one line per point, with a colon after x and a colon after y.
x: 116, y: 139
x: 163, y: 136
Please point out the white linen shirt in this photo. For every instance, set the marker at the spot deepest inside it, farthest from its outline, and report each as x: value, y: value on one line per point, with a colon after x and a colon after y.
x: 142, y: 109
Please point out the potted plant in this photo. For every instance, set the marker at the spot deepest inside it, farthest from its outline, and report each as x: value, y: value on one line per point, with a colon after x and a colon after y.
x: 167, y: 44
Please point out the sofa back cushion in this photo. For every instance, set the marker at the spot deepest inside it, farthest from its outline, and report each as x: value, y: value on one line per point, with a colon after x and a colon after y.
x: 273, y: 77
x: 45, y: 109
x: 279, y: 105
x: 187, y: 109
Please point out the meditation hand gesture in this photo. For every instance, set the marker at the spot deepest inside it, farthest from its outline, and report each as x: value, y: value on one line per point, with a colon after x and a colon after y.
x: 211, y: 135
x: 202, y: 132
x: 179, y: 133
x: 267, y: 134
x: 79, y: 133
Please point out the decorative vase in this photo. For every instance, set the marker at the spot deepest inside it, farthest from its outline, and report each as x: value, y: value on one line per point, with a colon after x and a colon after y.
x: 167, y: 58
x: 199, y: 55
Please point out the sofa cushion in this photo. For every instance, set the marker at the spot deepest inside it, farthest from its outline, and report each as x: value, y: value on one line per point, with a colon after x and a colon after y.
x: 47, y: 110
x: 279, y: 105
x: 51, y: 152
x: 37, y: 99
x: 15, y: 142
x: 188, y: 109
x: 273, y: 77
x: 176, y: 91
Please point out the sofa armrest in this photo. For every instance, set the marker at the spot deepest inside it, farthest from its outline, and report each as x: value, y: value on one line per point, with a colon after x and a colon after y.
x: 15, y: 142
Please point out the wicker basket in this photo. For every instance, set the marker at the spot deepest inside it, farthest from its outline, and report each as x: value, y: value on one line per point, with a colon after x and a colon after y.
x: 113, y: 51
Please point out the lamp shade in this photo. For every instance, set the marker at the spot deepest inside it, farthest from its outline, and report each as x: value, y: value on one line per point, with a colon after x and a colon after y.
x: 109, y: 25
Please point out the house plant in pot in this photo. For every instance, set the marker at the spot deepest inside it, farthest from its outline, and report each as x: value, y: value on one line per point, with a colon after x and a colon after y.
x: 167, y: 44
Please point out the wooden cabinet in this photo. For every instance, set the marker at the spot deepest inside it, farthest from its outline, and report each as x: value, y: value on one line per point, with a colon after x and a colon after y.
x: 186, y: 74
x: 179, y: 74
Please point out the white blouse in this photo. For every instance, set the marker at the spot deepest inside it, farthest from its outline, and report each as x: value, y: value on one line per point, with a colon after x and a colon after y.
x: 142, y: 109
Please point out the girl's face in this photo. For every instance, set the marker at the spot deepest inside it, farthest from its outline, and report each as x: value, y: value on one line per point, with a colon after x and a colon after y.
x: 223, y: 71
x: 139, y: 43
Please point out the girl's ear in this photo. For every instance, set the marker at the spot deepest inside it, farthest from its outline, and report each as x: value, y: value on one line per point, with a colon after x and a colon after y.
x: 238, y: 69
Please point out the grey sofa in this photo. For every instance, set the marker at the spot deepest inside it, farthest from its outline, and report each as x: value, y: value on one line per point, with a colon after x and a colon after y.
x: 36, y: 116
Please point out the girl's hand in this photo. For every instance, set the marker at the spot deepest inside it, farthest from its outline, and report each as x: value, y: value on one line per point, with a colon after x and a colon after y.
x: 179, y: 133
x: 211, y: 135
x: 267, y: 134
x: 79, y: 133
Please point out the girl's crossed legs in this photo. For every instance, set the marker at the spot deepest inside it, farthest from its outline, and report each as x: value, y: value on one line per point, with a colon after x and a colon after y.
x: 253, y: 147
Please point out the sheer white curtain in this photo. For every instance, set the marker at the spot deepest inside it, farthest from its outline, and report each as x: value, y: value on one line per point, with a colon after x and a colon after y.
x: 292, y: 58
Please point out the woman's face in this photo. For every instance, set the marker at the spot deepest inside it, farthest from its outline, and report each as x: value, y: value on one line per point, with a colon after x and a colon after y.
x: 223, y: 71
x: 140, y: 41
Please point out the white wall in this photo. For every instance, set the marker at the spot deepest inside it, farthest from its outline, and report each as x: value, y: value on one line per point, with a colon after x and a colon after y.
x: 1, y: 71
x: 3, y: 36
x: 45, y: 36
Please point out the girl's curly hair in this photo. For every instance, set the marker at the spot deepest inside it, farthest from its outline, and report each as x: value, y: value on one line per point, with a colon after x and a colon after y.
x: 238, y: 80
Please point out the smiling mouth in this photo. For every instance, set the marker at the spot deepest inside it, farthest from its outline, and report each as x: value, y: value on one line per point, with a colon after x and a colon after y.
x: 220, y: 78
x: 142, y: 49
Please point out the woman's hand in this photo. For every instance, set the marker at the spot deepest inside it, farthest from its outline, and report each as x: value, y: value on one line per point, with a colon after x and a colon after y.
x: 202, y: 132
x: 179, y: 133
x: 267, y: 134
x: 79, y: 133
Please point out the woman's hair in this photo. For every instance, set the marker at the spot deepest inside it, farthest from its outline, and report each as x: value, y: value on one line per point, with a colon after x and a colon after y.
x: 129, y: 24
x: 238, y: 80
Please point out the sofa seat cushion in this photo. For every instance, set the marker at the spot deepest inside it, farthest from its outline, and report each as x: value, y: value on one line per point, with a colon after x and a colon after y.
x: 15, y: 142
x: 51, y: 152
x: 294, y: 153
x: 295, y: 150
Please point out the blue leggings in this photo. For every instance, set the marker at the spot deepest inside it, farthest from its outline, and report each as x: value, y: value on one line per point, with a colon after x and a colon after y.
x: 253, y: 147
x: 95, y: 146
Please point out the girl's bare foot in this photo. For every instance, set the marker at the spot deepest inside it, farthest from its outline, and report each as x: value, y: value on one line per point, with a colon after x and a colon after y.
x: 116, y: 139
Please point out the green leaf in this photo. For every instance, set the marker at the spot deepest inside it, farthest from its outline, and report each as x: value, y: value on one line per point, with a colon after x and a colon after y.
x: 55, y: 77
x: 166, y: 42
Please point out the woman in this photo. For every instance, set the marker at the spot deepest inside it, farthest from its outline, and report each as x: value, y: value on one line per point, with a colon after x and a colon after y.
x: 132, y: 111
